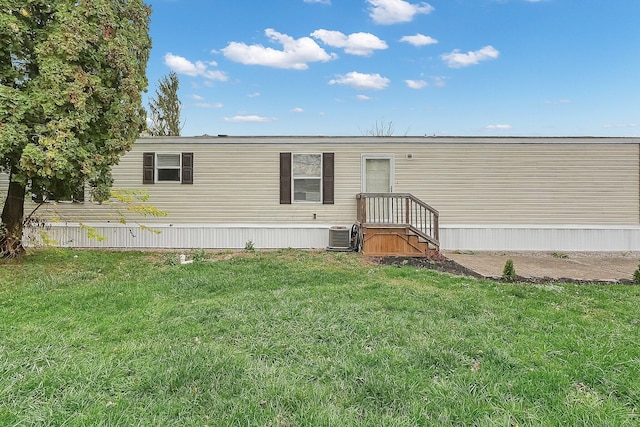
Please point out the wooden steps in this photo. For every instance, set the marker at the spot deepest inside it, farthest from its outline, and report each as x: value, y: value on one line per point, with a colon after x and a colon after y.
x: 397, y: 224
x: 394, y: 240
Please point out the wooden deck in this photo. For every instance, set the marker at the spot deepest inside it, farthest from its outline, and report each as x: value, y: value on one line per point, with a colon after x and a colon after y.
x: 397, y: 224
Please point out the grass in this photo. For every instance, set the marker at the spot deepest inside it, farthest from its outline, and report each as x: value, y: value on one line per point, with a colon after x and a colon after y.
x: 291, y: 338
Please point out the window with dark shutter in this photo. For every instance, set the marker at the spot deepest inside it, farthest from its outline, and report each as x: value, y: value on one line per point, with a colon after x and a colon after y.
x: 285, y: 178
x: 187, y: 168
x: 327, y: 178
x: 148, y: 167
x: 297, y: 171
x: 167, y: 167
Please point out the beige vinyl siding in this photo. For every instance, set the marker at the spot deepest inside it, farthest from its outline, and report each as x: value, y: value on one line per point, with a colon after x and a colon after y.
x: 469, y: 180
x: 526, y: 183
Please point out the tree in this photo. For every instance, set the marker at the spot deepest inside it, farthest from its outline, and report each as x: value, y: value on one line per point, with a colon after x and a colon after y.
x: 71, y: 77
x: 380, y: 129
x: 165, y: 108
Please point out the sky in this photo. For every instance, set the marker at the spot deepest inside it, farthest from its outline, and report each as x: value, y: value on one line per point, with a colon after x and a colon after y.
x: 357, y: 67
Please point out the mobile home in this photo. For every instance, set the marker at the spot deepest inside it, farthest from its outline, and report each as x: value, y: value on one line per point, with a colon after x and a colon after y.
x: 480, y: 193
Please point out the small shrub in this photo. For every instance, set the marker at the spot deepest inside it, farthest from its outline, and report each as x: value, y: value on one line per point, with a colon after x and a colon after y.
x: 509, y: 271
x: 636, y: 276
x: 170, y: 259
x: 198, y: 255
x: 559, y: 255
x: 249, y: 247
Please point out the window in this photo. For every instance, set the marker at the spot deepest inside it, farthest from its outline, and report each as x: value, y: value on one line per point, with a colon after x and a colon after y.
x: 306, y: 178
x: 167, y: 167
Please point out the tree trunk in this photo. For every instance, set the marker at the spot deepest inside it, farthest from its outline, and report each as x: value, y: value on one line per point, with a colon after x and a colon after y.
x: 12, y: 222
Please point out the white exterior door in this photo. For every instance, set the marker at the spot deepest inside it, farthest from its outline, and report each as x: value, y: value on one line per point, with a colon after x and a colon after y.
x: 377, y: 174
x: 377, y: 177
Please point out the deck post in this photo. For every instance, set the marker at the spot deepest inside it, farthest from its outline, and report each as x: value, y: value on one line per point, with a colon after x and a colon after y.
x: 407, y: 219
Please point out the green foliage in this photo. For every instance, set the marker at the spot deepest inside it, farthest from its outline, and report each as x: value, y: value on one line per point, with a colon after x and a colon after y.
x: 249, y: 247
x: 165, y: 108
x: 170, y: 259
x: 71, y: 77
x: 92, y: 233
x: 198, y: 255
x: 559, y: 255
x: 125, y: 205
x: 126, y: 201
x: 509, y: 271
x: 636, y: 276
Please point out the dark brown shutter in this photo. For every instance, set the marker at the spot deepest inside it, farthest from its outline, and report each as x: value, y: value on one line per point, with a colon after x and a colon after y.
x: 327, y: 178
x: 285, y: 178
x: 148, y: 166
x: 187, y: 168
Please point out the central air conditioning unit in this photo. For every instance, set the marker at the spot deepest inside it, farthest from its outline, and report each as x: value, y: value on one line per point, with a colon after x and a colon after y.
x: 339, y: 239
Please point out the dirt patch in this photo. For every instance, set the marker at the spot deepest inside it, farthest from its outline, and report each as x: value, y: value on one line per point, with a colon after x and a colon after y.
x: 440, y: 264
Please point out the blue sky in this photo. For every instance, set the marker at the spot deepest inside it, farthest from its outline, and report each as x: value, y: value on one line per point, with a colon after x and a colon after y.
x: 446, y: 67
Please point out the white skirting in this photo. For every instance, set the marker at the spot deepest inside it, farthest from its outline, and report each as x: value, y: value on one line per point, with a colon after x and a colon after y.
x: 316, y: 236
x: 188, y: 236
x: 541, y: 237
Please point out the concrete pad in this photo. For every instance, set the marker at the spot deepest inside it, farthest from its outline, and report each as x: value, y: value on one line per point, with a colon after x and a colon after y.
x: 579, y: 266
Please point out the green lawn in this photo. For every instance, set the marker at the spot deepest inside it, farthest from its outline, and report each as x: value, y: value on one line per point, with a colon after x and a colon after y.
x: 293, y: 338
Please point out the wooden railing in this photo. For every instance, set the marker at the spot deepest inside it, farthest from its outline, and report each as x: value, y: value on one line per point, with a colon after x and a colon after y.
x: 399, y: 209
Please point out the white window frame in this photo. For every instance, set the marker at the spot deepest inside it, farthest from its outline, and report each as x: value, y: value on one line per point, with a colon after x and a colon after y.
x: 158, y: 168
x: 294, y: 178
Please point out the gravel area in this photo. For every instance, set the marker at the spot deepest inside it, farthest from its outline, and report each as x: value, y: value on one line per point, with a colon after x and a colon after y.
x: 608, y: 267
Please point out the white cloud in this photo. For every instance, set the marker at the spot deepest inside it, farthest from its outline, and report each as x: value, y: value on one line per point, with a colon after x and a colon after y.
x: 361, y: 81
x: 363, y: 97
x: 419, y: 40
x: 621, y: 125
x: 297, y: 110
x: 208, y: 105
x: 318, y: 1
x: 296, y: 53
x: 197, y: 97
x: 247, y: 119
x: 416, y: 84
x: 439, y: 81
x: 396, y: 11
x: 498, y: 127
x: 456, y: 59
x: 560, y: 101
x: 254, y: 95
x: 182, y: 65
x: 362, y: 44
